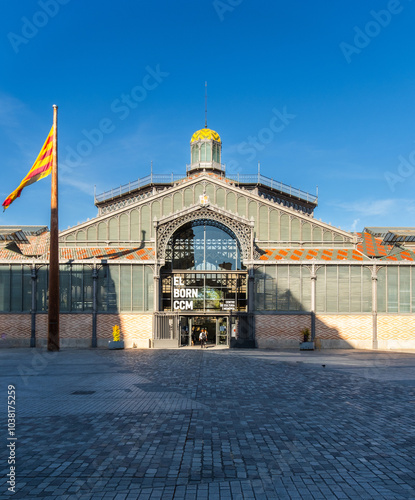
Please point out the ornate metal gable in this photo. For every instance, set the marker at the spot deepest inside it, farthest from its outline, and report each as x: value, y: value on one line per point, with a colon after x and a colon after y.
x: 242, y: 228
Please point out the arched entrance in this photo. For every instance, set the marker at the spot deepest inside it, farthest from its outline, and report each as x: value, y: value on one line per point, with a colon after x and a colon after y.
x: 203, y: 284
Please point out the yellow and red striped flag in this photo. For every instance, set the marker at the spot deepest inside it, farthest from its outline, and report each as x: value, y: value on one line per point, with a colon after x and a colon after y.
x: 41, y: 168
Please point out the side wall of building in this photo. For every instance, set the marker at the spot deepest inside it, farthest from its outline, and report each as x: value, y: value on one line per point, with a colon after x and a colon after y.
x: 332, y: 331
x: 75, y: 330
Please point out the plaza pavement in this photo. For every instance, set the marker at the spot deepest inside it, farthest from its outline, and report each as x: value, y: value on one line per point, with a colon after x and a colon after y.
x: 210, y: 424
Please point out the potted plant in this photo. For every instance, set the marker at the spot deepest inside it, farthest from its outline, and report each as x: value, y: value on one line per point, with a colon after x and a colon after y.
x: 116, y: 343
x: 306, y: 344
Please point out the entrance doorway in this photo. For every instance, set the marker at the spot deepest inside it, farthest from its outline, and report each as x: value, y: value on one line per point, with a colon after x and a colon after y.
x: 217, y: 329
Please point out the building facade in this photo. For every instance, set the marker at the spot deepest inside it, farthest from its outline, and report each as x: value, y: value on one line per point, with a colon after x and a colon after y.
x: 241, y: 256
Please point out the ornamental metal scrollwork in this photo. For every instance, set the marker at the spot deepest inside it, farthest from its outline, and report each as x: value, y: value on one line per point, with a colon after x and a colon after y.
x: 241, y: 230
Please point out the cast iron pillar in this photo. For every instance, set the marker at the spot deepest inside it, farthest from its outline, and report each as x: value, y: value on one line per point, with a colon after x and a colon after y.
x: 33, y: 275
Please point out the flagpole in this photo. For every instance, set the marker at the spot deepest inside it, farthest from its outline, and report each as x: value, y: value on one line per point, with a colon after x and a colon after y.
x: 53, y: 309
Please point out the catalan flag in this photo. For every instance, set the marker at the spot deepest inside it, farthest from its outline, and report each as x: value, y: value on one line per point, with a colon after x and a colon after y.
x: 41, y: 168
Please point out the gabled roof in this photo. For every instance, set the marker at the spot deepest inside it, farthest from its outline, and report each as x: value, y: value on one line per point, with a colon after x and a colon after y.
x: 376, y: 248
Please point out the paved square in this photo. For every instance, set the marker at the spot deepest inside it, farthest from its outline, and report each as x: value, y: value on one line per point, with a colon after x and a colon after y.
x: 192, y: 423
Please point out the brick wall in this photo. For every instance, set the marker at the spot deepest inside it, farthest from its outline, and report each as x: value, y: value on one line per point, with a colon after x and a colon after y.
x: 75, y: 330
x: 345, y: 330
x: 332, y: 330
x: 136, y: 329
x: 280, y: 330
x: 272, y: 331
x: 396, y: 332
x: 15, y: 329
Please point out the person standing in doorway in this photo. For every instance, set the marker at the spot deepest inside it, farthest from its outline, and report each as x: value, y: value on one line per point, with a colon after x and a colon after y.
x: 203, y: 338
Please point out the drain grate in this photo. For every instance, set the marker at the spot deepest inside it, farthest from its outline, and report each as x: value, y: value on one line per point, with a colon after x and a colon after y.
x: 82, y: 393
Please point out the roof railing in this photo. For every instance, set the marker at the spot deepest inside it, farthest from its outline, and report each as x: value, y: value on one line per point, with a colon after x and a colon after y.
x: 139, y: 183
x: 238, y: 178
x: 273, y: 184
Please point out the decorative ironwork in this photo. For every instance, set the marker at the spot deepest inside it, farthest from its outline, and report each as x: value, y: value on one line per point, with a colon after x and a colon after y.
x: 241, y: 228
x: 123, y: 203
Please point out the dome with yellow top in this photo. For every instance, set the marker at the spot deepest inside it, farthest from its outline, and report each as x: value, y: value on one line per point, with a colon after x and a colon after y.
x: 205, y: 134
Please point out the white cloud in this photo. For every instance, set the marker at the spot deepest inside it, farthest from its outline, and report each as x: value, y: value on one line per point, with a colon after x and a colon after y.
x: 369, y: 207
x: 354, y: 225
x: 84, y: 187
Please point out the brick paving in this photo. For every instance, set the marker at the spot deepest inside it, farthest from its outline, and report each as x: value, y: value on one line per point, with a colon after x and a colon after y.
x: 207, y: 424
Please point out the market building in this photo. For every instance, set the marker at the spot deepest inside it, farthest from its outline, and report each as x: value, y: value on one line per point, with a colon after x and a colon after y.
x: 239, y: 255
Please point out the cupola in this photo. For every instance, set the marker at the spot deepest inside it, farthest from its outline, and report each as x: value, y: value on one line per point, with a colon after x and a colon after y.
x: 205, y: 151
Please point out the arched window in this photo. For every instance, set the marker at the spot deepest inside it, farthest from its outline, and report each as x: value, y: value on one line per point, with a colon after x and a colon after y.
x: 204, y: 245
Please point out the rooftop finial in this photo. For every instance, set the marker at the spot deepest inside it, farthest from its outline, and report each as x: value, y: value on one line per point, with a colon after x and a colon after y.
x: 205, y: 104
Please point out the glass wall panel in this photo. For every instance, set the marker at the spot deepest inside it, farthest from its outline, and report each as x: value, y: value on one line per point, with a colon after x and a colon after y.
x: 113, y: 288
x: 331, y: 289
x: 91, y: 234
x: 317, y: 234
x: 285, y: 228
x: 404, y: 289
x: 65, y: 288
x: 102, y: 289
x: 295, y: 230
x: 355, y: 289
x: 138, y: 288
x: 381, y: 290
x: 42, y: 289
x: 274, y: 225
x: 306, y: 231
x: 344, y: 288
x: 166, y: 206
x: 270, y: 289
x: 102, y: 231
x: 113, y: 229
x: 188, y: 198
x: 125, y: 299
x: 148, y: 289
x: 145, y: 223
x: 77, y: 287
x: 393, y: 289
x: 231, y: 202
x: 135, y: 225
x: 263, y: 223
x: 88, y: 289
x: 305, y: 289
x: 367, y: 290
x: 283, y: 289
x: 27, y: 289
x: 124, y: 226
x: 220, y: 198
x: 295, y: 288
x: 16, y: 289
x: 5, y: 288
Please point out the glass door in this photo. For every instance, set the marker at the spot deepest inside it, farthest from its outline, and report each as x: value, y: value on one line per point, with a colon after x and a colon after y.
x: 184, y: 336
x: 222, y: 327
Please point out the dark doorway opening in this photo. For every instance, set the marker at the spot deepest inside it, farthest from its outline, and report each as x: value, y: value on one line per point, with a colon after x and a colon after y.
x: 216, y: 327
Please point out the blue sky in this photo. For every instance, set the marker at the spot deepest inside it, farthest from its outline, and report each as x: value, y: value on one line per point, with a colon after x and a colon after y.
x: 340, y: 73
